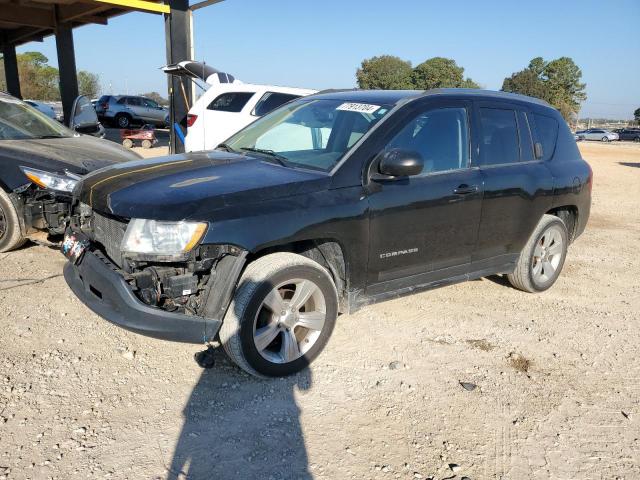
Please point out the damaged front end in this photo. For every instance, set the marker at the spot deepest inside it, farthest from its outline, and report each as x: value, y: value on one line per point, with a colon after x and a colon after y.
x: 175, y: 297
x: 41, y: 212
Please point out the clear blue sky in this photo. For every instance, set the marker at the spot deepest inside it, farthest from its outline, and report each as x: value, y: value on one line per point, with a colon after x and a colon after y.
x: 320, y: 44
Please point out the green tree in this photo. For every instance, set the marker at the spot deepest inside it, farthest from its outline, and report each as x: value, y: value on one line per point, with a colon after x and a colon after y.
x: 38, y: 79
x: 468, y: 83
x: 636, y: 115
x: 437, y: 72
x: 558, y: 82
x: 384, y: 72
x: 88, y: 84
x: 156, y: 97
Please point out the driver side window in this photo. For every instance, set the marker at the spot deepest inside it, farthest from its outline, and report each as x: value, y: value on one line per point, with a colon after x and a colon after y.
x: 440, y: 136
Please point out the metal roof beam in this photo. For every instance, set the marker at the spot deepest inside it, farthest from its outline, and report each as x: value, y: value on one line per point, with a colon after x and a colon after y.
x: 140, y: 5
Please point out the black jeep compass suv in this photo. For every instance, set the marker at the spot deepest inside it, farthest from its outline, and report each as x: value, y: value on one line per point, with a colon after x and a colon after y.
x: 327, y: 204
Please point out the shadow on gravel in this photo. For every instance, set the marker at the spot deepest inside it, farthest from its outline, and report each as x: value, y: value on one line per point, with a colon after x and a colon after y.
x: 630, y: 164
x: 236, y: 426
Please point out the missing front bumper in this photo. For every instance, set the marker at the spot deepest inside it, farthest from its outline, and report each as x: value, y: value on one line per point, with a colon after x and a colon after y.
x: 106, y: 292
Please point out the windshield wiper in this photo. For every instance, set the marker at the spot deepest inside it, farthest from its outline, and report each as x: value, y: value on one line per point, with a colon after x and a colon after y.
x: 282, y: 160
x: 224, y: 146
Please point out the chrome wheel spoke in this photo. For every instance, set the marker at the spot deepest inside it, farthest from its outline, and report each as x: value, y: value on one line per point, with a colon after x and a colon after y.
x: 265, y: 335
x: 274, y: 302
x: 548, y: 268
x: 290, y: 349
x: 303, y: 292
x: 537, y: 252
x: 311, y: 320
x: 555, y: 249
x: 537, y: 266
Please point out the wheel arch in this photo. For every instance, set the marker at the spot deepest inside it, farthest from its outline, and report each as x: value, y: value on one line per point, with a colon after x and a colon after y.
x: 327, y: 252
x: 569, y: 214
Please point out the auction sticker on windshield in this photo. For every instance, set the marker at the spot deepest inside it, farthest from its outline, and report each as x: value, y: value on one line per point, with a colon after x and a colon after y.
x: 358, y: 107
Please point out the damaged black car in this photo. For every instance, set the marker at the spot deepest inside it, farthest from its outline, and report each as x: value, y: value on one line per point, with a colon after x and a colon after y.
x: 327, y: 204
x: 41, y: 161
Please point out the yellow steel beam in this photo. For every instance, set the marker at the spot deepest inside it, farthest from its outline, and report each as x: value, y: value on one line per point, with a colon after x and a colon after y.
x: 142, y: 5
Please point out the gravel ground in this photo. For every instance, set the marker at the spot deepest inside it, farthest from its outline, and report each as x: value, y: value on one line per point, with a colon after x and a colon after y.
x: 549, y: 382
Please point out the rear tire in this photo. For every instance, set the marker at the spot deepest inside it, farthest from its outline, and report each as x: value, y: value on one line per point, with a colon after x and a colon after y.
x: 127, y: 142
x: 10, y: 234
x: 146, y: 144
x: 123, y: 120
x: 264, y: 330
x: 605, y: 139
x: 542, y: 258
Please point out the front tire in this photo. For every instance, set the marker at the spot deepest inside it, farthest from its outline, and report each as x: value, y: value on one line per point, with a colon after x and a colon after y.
x: 605, y: 139
x: 281, y: 317
x: 10, y: 234
x: 543, y: 256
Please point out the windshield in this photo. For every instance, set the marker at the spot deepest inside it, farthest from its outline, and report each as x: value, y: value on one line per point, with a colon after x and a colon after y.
x: 19, y: 121
x: 308, y: 133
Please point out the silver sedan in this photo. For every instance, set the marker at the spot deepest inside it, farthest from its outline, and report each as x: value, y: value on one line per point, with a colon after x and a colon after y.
x: 597, y: 134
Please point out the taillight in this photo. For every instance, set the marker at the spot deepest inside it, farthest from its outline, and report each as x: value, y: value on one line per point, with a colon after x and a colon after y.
x: 191, y: 119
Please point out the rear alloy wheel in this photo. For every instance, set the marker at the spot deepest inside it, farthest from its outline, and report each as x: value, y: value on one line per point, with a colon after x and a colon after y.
x: 605, y: 139
x: 123, y: 120
x: 10, y: 234
x: 146, y: 144
x: 281, y: 317
x: 543, y: 256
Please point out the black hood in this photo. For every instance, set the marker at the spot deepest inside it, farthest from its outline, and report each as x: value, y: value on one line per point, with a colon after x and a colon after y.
x: 191, y: 185
x: 79, y: 155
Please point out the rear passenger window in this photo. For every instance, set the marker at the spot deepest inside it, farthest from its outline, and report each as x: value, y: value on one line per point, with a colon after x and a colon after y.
x: 230, y: 102
x: 499, y: 136
x: 271, y: 101
x: 547, y: 128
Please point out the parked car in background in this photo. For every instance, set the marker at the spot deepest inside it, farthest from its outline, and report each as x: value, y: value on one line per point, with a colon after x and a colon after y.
x: 228, y: 105
x: 43, y: 107
x: 126, y: 110
x: 632, y: 134
x: 325, y: 205
x: 41, y: 161
x: 597, y: 134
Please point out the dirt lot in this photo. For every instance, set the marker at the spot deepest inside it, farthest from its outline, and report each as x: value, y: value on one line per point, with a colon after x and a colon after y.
x: 557, y: 377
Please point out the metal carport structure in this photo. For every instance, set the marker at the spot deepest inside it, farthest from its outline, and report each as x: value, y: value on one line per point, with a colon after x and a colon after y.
x: 23, y: 21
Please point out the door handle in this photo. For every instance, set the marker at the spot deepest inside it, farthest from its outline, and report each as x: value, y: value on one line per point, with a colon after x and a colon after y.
x: 465, y: 189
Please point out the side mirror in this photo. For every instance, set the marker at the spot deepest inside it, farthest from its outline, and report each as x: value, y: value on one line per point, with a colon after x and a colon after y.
x: 84, y: 118
x: 401, y: 163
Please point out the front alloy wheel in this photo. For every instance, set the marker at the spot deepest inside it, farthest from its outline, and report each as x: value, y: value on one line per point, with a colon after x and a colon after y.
x: 281, y: 316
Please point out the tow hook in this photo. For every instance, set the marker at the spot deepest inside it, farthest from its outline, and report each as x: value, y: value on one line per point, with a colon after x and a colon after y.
x: 205, y: 358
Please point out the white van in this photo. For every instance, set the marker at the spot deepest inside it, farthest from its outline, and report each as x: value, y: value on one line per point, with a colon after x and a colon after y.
x: 228, y: 105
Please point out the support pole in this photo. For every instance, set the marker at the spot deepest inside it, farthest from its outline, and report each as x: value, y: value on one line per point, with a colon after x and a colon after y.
x: 11, y: 70
x: 67, y: 67
x: 178, y: 40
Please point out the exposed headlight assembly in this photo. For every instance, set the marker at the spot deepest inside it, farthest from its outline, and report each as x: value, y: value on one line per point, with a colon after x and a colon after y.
x: 152, y: 237
x: 54, y: 181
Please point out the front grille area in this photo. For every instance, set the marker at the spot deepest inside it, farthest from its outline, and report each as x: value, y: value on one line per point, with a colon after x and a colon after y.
x: 109, y: 233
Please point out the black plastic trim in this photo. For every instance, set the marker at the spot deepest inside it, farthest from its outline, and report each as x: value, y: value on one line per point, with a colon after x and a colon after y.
x: 118, y: 304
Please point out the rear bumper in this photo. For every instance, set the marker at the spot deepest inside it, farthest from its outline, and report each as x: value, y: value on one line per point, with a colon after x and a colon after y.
x: 105, y: 292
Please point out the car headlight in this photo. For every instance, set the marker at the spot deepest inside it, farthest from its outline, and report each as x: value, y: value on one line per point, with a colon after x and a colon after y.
x: 54, y: 181
x: 161, y: 238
